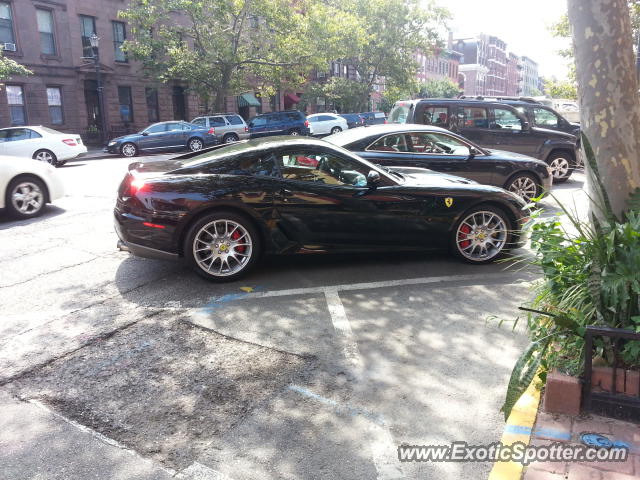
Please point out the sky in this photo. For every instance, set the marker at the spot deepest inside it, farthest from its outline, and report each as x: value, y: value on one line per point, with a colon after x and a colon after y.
x: 522, y: 24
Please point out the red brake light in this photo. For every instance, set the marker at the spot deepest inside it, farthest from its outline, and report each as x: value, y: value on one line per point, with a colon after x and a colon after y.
x: 136, y: 185
x: 246, y: 129
x: 306, y: 123
x: 211, y: 131
x: 70, y: 141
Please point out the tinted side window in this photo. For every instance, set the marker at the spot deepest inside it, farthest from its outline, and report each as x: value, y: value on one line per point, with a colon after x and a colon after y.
x: 321, y: 168
x: 437, y: 143
x: 432, y: 115
x: 157, y: 128
x: 216, y: 122
x: 390, y: 143
x: 235, y: 120
x: 504, y: 118
x: 545, y: 118
x: 474, y: 117
x: 200, y: 122
x: 259, y: 121
x: 294, y: 117
x: 275, y: 118
x: 174, y: 126
x: 18, y: 134
x: 262, y: 166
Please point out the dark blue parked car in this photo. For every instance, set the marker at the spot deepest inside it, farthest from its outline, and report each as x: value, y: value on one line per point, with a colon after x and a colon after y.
x: 175, y: 135
x: 288, y: 122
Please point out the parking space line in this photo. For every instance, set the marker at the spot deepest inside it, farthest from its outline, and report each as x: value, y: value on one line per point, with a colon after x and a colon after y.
x: 343, y: 329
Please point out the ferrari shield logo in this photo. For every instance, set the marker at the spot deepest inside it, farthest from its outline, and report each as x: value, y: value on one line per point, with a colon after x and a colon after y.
x: 448, y: 202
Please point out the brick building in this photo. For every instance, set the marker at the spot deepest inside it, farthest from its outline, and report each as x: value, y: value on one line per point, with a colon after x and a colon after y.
x: 514, y: 75
x: 51, y: 38
x: 442, y: 65
x: 529, y: 77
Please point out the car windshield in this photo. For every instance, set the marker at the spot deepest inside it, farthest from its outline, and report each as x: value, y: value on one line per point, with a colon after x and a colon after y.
x: 399, y: 114
x: 50, y: 130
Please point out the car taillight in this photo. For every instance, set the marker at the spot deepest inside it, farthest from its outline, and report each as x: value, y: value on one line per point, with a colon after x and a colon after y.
x: 69, y: 141
x: 132, y: 186
x: 306, y: 123
x: 211, y: 131
x: 246, y: 129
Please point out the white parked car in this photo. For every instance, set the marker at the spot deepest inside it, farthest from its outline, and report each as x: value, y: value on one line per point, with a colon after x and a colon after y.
x: 41, y: 143
x: 27, y: 185
x: 326, y: 123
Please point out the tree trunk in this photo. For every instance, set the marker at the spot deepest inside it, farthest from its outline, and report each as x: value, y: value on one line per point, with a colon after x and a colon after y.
x: 223, y: 90
x: 608, y: 92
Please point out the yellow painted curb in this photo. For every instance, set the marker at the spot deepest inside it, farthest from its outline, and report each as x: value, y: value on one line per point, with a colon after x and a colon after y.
x: 522, y: 416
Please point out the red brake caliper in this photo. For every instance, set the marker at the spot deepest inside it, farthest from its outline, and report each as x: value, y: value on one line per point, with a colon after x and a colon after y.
x: 235, y: 236
x: 465, y: 230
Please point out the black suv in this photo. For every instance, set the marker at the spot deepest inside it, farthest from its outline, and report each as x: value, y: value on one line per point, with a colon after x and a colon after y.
x: 494, y: 125
x: 288, y: 122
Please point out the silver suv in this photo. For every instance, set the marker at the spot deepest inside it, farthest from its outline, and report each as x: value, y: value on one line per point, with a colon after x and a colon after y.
x: 229, y: 127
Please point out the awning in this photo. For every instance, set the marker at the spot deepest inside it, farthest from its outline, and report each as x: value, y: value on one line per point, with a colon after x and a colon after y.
x: 292, y: 97
x: 248, y: 100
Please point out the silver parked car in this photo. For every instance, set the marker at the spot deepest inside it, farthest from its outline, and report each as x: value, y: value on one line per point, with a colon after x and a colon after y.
x: 229, y: 127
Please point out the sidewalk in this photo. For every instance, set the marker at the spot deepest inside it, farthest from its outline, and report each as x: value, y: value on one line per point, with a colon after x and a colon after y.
x: 93, y: 154
x: 566, y: 429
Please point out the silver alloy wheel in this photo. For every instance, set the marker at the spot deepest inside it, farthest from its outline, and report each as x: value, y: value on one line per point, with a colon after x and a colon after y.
x: 559, y: 167
x: 195, y: 144
x: 27, y: 198
x: 129, y: 150
x: 222, y: 248
x: 524, y: 187
x: 481, y: 236
x: 336, y: 130
x: 294, y: 133
x: 45, y: 156
x: 230, y: 139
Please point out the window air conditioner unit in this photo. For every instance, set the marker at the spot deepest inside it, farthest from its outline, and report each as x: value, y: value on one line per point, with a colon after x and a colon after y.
x: 9, y: 47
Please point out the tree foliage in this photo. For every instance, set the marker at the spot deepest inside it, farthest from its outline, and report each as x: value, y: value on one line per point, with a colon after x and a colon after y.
x: 9, y: 68
x: 444, y: 88
x: 225, y: 47
x: 561, y: 88
x: 343, y: 94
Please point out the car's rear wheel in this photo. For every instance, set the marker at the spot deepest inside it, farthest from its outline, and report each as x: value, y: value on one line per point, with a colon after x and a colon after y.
x: 335, y: 130
x: 129, y: 149
x: 230, y: 138
x: 46, y: 156
x: 222, y: 246
x: 25, y: 197
x: 195, y: 144
x: 294, y: 132
x: 481, y: 235
x: 561, y: 163
x: 524, y: 185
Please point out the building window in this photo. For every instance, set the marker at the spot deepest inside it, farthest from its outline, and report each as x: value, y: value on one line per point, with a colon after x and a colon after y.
x: 15, y: 99
x: 126, y: 105
x: 119, y: 36
x: 152, y: 104
x: 45, y: 28
x: 88, y: 28
x: 54, y: 99
x: 6, y: 24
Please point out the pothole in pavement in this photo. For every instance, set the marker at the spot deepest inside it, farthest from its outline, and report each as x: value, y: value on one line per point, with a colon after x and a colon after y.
x: 163, y: 388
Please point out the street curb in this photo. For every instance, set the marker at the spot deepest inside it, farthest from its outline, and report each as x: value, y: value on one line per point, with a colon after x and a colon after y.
x: 518, y: 429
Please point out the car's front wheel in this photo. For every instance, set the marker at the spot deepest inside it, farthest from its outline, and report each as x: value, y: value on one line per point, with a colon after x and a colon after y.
x: 46, y: 156
x: 195, y: 144
x: 129, y: 149
x: 524, y: 185
x: 222, y: 246
x: 481, y: 235
x: 561, y: 164
x: 25, y: 197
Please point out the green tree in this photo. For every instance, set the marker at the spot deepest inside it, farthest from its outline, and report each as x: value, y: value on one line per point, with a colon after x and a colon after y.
x: 561, y: 88
x: 9, y: 68
x: 225, y: 47
x: 393, y: 31
x: 444, y: 88
x: 344, y: 94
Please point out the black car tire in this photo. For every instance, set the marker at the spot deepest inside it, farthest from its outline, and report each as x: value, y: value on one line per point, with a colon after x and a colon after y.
x: 195, y: 144
x: 230, y: 138
x: 129, y: 149
x: 36, y: 185
x: 459, y: 236
x: 335, y: 130
x: 562, y: 162
x: 45, y: 155
x: 522, y: 181
x: 294, y: 132
x: 249, y: 255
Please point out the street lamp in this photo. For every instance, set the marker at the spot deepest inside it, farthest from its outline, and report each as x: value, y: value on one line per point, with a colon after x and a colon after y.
x: 94, y: 40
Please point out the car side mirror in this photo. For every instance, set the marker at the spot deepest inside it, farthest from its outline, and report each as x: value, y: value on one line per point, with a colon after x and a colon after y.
x: 526, y: 127
x: 373, y: 178
x: 145, y: 134
x: 473, y: 151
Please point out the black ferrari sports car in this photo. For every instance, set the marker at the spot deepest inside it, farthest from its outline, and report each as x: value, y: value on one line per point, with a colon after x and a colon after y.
x: 221, y: 208
x: 426, y: 146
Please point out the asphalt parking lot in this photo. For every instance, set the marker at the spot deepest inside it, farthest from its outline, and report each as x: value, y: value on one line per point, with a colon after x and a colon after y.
x: 311, y: 367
